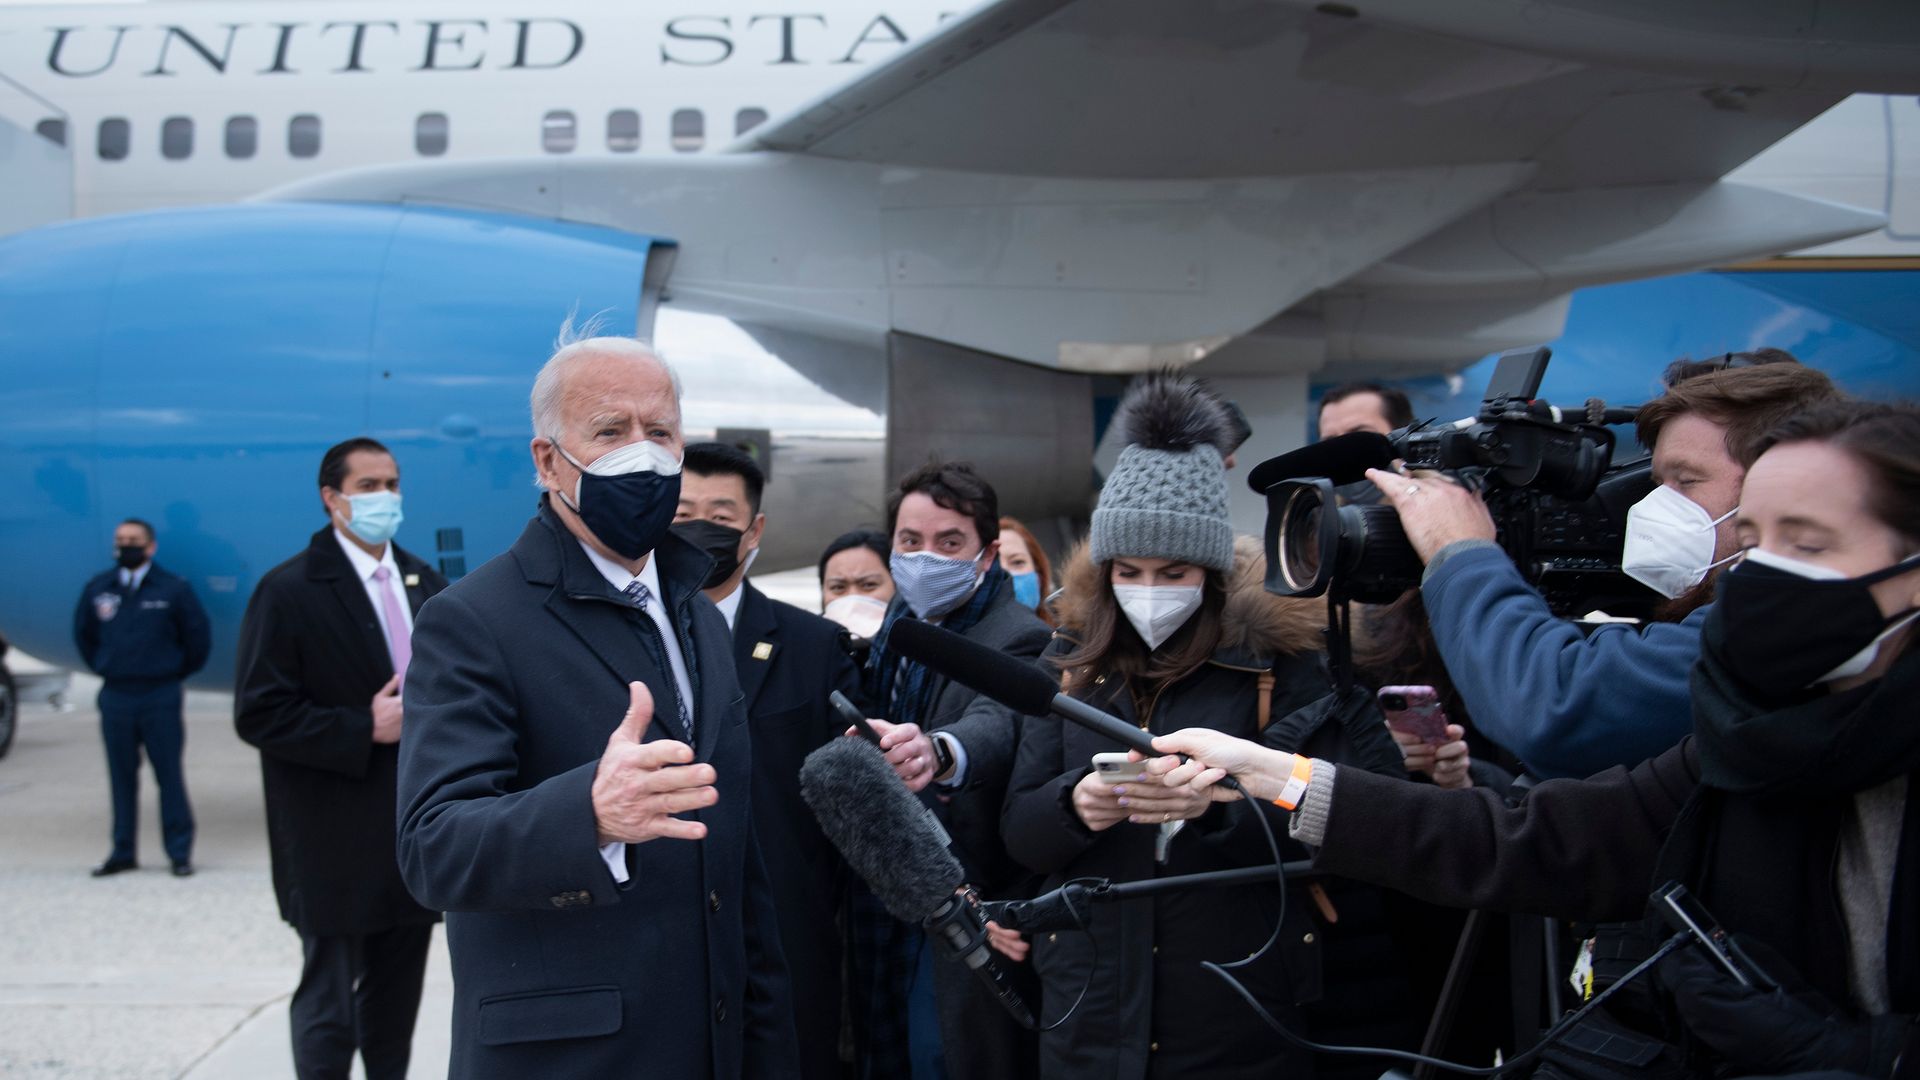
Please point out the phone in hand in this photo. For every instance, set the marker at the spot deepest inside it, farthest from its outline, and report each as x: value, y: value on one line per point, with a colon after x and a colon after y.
x: 1415, y: 710
x: 1116, y: 769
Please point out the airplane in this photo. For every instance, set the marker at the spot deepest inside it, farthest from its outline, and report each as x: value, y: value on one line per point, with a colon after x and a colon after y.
x: 958, y: 238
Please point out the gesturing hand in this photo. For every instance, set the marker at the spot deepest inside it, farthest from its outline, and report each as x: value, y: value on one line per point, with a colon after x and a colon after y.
x: 387, y: 712
x: 637, y: 789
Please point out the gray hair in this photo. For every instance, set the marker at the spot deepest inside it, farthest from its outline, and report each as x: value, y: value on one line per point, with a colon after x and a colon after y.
x: 574, y: 343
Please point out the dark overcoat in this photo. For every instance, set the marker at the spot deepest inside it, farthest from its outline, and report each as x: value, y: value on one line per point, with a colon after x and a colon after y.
x: 519, y: 677
x: 788, y: 662
x: 311, y: 657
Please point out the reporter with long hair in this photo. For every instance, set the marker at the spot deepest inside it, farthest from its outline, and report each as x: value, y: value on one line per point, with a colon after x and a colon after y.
x: 1789, y: 811
x: 1164, y: 623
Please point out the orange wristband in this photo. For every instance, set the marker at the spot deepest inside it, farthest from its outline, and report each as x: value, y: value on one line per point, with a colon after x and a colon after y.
x: 1296, y: 784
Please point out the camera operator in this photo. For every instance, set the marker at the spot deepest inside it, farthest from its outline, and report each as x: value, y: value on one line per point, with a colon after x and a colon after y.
x: 1568, y: 703
x: 1788, y: 813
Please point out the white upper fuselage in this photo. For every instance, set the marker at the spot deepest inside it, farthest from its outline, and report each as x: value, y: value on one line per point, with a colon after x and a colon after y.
x: 183, y: 103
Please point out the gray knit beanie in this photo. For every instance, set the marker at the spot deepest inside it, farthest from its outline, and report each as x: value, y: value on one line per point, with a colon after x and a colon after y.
x: 1167, y: 497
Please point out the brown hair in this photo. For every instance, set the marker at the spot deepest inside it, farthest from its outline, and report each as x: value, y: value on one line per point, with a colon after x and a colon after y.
x: 1107, y: 646
x: 1040, y: 564
x: 952, y: 485
x: 1748, y: 401
x: 1884, y: 438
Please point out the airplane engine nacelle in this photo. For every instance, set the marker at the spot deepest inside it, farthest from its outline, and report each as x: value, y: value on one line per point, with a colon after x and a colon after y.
x: 190, y: 366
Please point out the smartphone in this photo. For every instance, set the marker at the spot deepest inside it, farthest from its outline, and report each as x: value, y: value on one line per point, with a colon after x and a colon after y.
x: 1415, y: 710
x: 1116, y: 769
x: 851, y: 716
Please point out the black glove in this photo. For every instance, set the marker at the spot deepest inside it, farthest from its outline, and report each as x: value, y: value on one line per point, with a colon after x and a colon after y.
x: 1792, y: 1028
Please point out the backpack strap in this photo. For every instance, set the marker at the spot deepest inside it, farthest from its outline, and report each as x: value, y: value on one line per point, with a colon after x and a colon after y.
x: 1264, y: 708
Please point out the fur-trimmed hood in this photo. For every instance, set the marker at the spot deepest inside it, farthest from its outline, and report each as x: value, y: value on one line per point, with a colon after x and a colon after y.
x: 1255, y: 622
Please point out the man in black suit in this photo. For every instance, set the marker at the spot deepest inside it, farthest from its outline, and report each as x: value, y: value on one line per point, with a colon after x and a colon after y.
x: 575, y: 788
x: 945, y: 523
x: 788, y: 661
x: 323, y: 647
x: 143, y: 632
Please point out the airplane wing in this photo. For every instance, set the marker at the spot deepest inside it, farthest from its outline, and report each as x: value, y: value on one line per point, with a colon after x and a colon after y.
x: 1099, y: 185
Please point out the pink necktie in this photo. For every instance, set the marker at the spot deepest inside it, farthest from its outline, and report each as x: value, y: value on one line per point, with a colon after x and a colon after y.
x: 399, y: 646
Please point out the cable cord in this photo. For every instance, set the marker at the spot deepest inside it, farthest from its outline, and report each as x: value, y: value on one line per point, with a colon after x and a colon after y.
x: 1528, y: 1057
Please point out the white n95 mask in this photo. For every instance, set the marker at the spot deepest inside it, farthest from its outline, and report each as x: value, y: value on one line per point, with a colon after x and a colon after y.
x: 1157, y: 611
x: 1670, y: 542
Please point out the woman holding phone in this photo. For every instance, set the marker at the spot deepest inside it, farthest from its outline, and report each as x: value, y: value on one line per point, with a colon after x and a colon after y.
x: 1164, y: 623
x: 1789, y: 813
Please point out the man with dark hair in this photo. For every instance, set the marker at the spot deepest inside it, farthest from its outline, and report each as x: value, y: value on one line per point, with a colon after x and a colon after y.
x: 324, y: 644
x: 945, y: 523
x: 788, y: 661
x: 143, y: 632
x: 1568, y: 703
x: 1363, y: 406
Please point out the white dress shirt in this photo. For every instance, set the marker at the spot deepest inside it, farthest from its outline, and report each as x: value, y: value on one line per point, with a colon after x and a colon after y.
x: 615, y: 854
x: 131, y: 579
x: 364, y: 566
x: 729, y: 604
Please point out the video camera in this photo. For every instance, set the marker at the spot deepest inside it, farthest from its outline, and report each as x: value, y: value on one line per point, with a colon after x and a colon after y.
x: 1547, y: 476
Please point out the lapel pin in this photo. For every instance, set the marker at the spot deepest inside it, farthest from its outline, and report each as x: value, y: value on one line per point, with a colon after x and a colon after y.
x: 763, y: 650
x: 412, y: 580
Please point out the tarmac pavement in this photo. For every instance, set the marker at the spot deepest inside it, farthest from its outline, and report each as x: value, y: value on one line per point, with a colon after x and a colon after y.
x: 144, y: 976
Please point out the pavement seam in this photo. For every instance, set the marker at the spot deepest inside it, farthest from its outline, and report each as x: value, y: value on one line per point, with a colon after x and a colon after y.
x: 231, y: 1032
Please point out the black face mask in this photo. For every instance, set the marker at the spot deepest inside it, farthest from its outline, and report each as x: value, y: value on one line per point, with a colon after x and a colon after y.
x: 130, y: 557
x: 720, y: 542
x: 629, y: 513
x: 1779, y: 632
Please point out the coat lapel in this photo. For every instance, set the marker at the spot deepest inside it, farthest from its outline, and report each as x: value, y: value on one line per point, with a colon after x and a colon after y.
x: 328, y: 565
x: 756, y: 642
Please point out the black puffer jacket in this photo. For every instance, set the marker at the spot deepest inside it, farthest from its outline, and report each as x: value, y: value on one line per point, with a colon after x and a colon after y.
x: 1150, y: 1008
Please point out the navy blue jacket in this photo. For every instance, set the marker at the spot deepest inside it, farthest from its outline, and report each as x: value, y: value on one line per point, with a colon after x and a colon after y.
x: 155, y: 634
x: 789, y: 661
x: 1569, y: 704
x: 519, y: 676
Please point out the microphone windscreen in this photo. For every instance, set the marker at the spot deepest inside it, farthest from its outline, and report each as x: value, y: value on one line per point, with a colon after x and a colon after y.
x: 1014, y: 683
x: 1342, y: 459
x: 887, y: 836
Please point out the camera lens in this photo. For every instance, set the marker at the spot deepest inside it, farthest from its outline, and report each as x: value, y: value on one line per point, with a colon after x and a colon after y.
x: 1393, y: 702
x: 1300, y: 539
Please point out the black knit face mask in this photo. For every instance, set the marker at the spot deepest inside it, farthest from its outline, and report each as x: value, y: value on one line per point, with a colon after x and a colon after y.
x: 1787, y: 625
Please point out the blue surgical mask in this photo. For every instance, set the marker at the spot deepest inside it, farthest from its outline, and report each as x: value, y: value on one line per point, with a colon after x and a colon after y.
x: 376, y: 516
x: 1026, y: 588
x: 933, y: 585
x: 627, y: 497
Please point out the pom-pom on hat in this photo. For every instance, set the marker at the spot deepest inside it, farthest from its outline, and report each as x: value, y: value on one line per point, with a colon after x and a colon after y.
x: 1167, y: 497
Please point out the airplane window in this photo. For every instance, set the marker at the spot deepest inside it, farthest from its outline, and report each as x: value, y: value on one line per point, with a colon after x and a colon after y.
x: 243, y: 136
x: 430, y: 134
x: 54, y: 131
x: 558, y: 132
x: 689, y: 130
x: 623, y: 131
x: 114, y: 136
x: 176, y: 138
x: 303, y: 135
x: 747, y: 119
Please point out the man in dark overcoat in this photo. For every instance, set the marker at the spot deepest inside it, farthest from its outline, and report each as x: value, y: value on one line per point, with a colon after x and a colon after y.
x: 789, y: 662
x: 322, y: 648
x: 575, y: 786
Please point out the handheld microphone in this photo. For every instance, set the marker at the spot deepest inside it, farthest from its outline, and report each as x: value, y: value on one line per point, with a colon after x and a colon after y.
x: 1014, y: 683
x: 896, y: 845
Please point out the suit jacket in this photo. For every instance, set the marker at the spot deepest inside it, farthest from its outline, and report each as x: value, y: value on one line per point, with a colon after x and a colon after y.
x: 990, y: 733
x: 311, y: 657
x: 788, y: 662
x: 519, y: 676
